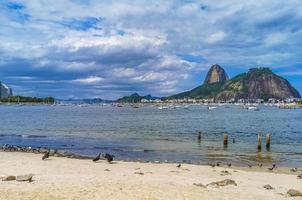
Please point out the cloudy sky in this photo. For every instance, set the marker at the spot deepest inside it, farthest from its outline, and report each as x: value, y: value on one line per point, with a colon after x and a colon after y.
x: 108, y: 49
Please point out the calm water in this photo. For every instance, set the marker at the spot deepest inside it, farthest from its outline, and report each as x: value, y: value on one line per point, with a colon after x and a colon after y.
x: 152, y: 134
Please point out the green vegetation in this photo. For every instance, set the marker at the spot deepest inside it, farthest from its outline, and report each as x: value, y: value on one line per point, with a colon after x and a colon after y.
x: 203, y: 91
x: 21, y: 99
x: 135, y: 98
x: 260, y: 71
x: 299, y: 102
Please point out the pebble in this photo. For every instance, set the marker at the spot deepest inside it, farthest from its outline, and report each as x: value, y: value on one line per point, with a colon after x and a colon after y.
x: 9, y: 178
x: 268, y: 187
x: 139, y: 173
x: 294, y: 193
x: 199, y: 185
x: 224, y: 183
x: 26, y: 177
x: 225, y: 173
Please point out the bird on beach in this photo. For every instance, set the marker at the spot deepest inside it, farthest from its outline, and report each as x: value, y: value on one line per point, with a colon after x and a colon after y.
x: 98, y: 157
x: 272, y: 168
x: 108, y: 157
x: 294, y: 169
x: 260, y: 165
x: 299, y: 176
x: 229, y: 164
x: 218, y: 164
x: 179, y: 165
x: 46, y: 155
x: 249, y: 165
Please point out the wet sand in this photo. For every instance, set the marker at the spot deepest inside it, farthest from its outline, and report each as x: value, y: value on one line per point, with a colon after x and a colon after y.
x: 63, y: 178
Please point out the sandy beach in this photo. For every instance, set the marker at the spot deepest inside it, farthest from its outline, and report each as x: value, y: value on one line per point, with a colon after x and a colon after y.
x: 64, y: 178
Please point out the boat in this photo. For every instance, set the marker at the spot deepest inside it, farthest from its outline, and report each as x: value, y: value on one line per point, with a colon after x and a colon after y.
x: 252, y: 108
x: 211, y: 107
x: 162, y: 107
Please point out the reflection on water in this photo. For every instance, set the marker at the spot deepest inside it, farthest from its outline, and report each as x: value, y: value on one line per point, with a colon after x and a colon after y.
x: 152, y: 134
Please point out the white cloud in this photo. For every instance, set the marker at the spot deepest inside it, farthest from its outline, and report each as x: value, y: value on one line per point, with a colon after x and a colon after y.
x: 89, y: 80
x: 216, y: 37
x: 159, y: 44
x: 275, y: 38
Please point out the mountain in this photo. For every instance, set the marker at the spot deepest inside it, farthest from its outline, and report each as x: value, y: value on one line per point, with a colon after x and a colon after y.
x: 135, y: 98
x: 216, y: 74
x: 257, y: 83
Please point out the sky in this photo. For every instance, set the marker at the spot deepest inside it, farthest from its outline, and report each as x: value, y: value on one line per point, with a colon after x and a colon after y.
x: 108, y: 49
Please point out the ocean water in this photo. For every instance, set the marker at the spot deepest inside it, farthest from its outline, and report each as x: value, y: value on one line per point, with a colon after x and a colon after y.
x: 148, y: 133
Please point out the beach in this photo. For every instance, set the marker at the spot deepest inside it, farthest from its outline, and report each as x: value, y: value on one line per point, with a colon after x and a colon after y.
x: 65, y: 178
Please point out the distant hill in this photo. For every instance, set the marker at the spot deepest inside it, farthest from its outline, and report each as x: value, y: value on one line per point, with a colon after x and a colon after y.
x: 135, y: 98
x: 22, y: 99
x: 257, y: 83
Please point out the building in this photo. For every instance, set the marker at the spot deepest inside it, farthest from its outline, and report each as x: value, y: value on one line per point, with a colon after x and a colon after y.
x: 5, y: 91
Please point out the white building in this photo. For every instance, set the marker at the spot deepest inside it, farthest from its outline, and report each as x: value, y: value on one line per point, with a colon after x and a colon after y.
x: 5, y: 91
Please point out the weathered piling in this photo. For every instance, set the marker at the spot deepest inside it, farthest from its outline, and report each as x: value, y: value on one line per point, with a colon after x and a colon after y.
x: 259, y: 142
x: 199, y: 136
x: 268, y: 141
x: 225, y: 139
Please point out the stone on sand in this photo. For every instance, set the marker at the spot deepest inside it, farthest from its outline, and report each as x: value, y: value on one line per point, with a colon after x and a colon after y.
x: 294, y: 193
x: 268, y: 187
x: 9, y: 178
x: 199, y: 185
x: 26, y: 177
x: 223, y: 183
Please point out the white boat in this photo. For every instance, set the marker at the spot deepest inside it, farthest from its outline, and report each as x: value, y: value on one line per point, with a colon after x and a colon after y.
x: 162, y: 107
x: 211, y: 107
x: 251, y: 108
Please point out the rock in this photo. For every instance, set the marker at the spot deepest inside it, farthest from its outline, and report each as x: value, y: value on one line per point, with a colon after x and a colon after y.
x: 139, y: 173
x: 216, y: 74
x: 268, y: 187
x: 294, y: 193
x: 258, y: 83
x: 299, y: 176
x: 223, y: 183
x: 9, y: 178
x: 26, y: 177
x: 199, y: 185
x: 225, y: 173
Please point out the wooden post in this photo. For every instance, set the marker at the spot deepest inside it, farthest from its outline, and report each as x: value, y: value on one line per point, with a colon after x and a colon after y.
x: 259, y: 141
x: 225, y: 139
x: 199, y: 136
x: 268, y: 141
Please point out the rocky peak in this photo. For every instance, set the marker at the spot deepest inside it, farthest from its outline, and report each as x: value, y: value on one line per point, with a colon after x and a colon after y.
x: 216, y: 74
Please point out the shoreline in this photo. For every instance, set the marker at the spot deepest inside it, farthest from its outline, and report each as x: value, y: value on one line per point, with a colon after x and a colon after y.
x: 63, y: 178
x: 61, y: 153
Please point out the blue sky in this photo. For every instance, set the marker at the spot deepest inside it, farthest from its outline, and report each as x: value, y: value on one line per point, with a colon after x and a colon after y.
x: 108, y: 49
